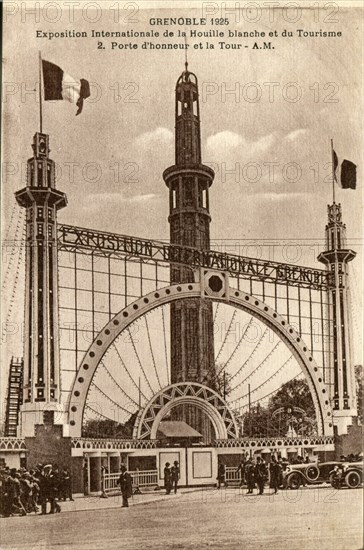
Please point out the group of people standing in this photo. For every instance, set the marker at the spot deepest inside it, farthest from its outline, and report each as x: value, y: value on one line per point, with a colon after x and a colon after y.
x: 254, y: 472
x: 171, y: 477
x: 25, y: 491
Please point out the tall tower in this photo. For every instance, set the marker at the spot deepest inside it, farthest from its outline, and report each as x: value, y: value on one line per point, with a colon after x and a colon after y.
x: 41, y: 199
x: 188, y: 181
x: 336, y: 258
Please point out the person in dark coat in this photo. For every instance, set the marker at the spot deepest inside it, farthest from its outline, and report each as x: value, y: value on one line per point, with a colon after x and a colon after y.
x: 126, y: 485
x: 175, y: 475
x: 65, y: 490
x: 167, y: 478
x: 13, y: 490
x: 260, y: 474
x: 51, y: 487
x: 275, y: 470
x: 221, y: 473
x: 241, y: 469
x: 250, y: 475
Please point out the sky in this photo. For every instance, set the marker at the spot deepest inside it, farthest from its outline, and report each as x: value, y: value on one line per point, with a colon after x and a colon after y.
x: 268, y: 142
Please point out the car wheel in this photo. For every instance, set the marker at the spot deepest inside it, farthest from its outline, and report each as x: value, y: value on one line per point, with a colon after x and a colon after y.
x: 294, y: 481
x: 334, y: 482
x: 312, y: 473
x: 353, y: 479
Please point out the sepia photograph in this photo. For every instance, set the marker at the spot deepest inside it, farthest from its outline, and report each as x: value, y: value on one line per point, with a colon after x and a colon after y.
x: 182, y: 275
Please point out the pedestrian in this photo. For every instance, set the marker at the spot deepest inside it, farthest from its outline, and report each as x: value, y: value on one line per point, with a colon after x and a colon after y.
x: 275, y: 474
x: 65, y: 485
x: 175, y: 475
x: 13, y: 490
x: 167, y: 478
x: 221, y: 475
x: 52, y: 486
x: 241, y: 470
x: 126, y: 485
x: 260, y: 474
x: 250, y: 475
x: 26, y: 486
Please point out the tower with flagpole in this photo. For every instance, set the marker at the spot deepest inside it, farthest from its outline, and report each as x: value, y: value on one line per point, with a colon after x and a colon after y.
x: 336, y: 258
x: 42, y: 201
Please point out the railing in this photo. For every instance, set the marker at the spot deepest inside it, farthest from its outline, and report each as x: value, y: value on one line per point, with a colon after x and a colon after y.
x: 142, y: 479
x: 12, y: 444
x: 91, y: 444
x: 275, y: 442
x: 232, y: 476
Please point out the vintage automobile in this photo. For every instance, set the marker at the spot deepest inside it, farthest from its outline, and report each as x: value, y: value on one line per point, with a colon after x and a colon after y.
x: 314, y: 473
x: 347, y: 474
x: 296, y: 475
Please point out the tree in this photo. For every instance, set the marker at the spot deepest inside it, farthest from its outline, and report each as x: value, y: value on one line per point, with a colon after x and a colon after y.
x: 294, y: 408
x: 109, y: 428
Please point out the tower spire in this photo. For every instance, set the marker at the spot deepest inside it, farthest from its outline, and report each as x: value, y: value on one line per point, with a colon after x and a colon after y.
x: 189, y: 181
x: 42, y: 201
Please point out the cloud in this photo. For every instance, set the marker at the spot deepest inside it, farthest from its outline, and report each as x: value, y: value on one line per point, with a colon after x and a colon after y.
x: 160, y: 137
x: 227, y: 144
x: 266, y: 197
x: 292, y: 136
x: 118, y: 198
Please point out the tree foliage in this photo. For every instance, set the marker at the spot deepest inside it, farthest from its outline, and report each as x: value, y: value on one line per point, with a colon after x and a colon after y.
x: 291, y: 407
x: 109, y: 428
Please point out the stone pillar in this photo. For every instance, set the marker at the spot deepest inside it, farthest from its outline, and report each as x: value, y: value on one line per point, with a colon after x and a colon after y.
x: 95, y: 474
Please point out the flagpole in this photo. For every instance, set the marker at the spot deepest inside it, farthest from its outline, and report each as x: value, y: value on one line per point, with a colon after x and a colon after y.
x: 333, y: 171
x: 40, y: 94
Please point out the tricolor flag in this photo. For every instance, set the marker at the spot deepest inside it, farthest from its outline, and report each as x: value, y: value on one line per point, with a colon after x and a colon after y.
x: 348, y: 172
x: 59, y: 85
x: 348, y: 175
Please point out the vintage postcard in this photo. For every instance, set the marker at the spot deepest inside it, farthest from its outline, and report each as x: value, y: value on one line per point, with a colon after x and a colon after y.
x: 182, y: 281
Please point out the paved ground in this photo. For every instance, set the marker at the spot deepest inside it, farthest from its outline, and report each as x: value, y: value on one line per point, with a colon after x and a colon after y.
x: 322, y: 519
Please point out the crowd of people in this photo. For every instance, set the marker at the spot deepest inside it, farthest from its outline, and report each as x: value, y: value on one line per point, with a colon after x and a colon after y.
x: 24, y: 492
x: 256, y: 473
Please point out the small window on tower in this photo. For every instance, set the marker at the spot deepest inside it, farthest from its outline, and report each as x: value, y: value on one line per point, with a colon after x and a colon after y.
x: 40, y: 212
x: 174, y: 198
x: 50, y: 231
x: 179, y: 108
x: 204, y: 198
x: 195, y: 108
x: 50, y: 213
x: 49, y: 174
x: 40, y: 229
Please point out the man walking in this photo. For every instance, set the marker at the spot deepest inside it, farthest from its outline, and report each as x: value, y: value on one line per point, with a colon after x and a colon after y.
x: 126, y: 486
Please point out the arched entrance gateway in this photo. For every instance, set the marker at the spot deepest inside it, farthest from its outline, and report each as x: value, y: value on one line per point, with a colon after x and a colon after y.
x: 187, y: 276
x: 208, y: 290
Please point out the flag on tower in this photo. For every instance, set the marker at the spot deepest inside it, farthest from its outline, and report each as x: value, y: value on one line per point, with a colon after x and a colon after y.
x: 347, y: 174
x: 335, y: 162
x: 59, y: 85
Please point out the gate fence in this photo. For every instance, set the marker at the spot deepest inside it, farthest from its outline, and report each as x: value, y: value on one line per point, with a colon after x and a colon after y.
x: 142, y: 479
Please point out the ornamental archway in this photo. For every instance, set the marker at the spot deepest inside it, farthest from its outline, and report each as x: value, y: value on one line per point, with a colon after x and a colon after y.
x: 230, y: 296
x: 202, y: 397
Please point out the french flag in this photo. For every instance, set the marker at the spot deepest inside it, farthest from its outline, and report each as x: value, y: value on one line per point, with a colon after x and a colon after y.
x: 59, y: 85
